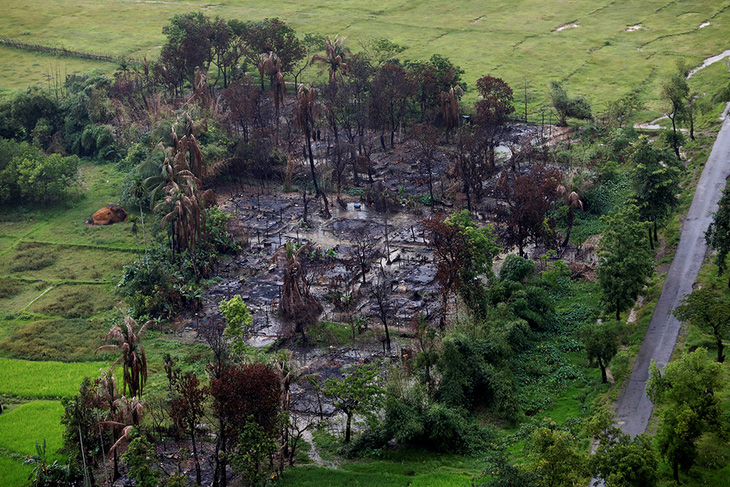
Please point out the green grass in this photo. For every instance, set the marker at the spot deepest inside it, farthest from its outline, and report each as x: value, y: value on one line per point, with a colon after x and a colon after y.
x: 25, y: 378
x: 25, y: 425
x: 515, y: 41
x: 12, y: 472
x: 74, y: 301
x: 67, y: 263
x: 66, y: 340
x: 23, y: 68
x: 400, y: 468
x: 20, y: 429
x: 16, y: 294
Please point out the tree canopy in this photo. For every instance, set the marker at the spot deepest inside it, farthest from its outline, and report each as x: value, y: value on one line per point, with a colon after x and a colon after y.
x: 625, y: 259
x: 687, y: 388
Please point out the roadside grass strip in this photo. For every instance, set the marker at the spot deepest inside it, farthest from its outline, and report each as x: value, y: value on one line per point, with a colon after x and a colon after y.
x: 24, y: 378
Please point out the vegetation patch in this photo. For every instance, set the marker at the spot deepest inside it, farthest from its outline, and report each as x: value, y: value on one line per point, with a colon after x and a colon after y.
x: 397, y: 468
x: 9, y: 288
x: 18, y: 294
x: 67, y: 263
x: 31, y: 257
x: 74, y: 301
x: 64, y: 340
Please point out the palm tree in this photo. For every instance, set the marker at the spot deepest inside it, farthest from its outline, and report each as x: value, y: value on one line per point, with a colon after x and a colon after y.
x: 133, y: 357
x: 305, y: 113
x: 106, y: 398
x: 183, y: 202
x: 574, y: 203
x: 332, y: 59
x: 450, y: 110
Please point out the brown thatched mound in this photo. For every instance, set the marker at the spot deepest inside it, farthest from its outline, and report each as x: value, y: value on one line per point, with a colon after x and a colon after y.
x: 108, y: 215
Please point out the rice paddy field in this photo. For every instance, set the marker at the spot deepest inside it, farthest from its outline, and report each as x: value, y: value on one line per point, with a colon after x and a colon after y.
x: 599, y: 49
x: 20, y: 429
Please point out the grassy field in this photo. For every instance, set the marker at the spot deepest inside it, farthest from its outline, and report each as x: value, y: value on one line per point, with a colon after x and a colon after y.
x: 12, y: 472
x: 393, y: 469
x: 20, y: 429
x: 29, y: 379
x: 31, y: 422
x: 600, y: 49
x: 22, y: 69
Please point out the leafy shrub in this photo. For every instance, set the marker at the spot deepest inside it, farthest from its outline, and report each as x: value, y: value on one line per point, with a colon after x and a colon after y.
x: 21, y: 114
x: 98, y: 141
x: 154, y: 289
x: 516, y: 268
x: 29, y: 176
x: 218, y: 235
x: 602, y: 199
x: 557, y: 276
x: 535, y: 305
x: 620, y: 365
x: 620, y: 142
x: 412, y: 420
x: 475, y: 373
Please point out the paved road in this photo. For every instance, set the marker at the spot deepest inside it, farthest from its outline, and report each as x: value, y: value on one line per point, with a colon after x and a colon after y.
x: 633, y: 408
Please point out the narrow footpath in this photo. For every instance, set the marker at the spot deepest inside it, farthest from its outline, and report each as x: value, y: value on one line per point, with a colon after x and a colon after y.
x: 633, y: 409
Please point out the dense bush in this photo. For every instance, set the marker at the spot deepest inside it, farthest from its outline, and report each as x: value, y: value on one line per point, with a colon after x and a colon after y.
x: 27, y: 175
x: 474, y: 374
x: 516, y: 268
x: 413, y: 419
x: 154, y: 289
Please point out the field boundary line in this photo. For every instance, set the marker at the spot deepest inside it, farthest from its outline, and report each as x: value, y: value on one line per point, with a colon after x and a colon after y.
x: 56, y: 281
x: 79, y: 245
x: 62, y: 51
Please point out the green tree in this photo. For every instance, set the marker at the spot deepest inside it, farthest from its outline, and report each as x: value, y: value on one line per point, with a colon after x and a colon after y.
x: 718, y: 234
x: 655, y: 176
x: 568, y: 107
x: 708, y: 310
x: 625, y: 260
x: 601, y: 344
x: 357, y: 393
x: 463, y: 252
x: 556, y: 459
x: 238, y: 319
x: 675, y: 90
x: 253, y: 453
x: 687, y: 388
x: 140, y: 457
x: 619, y: 459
